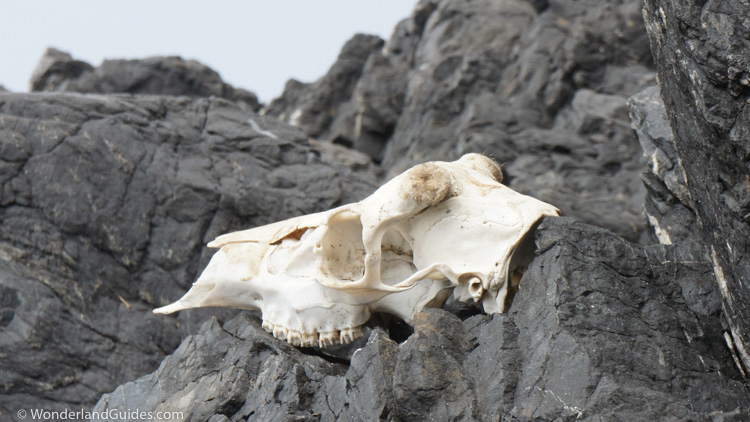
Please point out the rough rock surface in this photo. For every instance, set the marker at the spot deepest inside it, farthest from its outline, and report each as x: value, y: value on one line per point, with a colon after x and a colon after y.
x: 540, y: 86
x: 704, y: 72
x: 322, y: 109
x: 667, y: 204
x: 58, y: 71
x: 602, y: 329
x: 107, y: 203
x: 107, y: 200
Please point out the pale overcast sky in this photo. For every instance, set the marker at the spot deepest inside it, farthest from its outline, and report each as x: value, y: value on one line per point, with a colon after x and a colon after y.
x: 253, y: 44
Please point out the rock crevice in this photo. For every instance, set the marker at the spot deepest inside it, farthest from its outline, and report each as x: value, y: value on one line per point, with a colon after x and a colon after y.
x: 111, y: 185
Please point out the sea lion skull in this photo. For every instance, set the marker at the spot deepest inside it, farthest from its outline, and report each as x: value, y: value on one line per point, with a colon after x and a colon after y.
x: 316, y: 278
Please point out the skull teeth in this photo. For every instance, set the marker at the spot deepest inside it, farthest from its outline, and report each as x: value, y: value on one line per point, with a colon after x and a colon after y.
x: 279, y: 332
x: 294, y: 337
x: 324, y: 339
x: 309, y: 340
x: 328, y: 339
x: 348, y: 335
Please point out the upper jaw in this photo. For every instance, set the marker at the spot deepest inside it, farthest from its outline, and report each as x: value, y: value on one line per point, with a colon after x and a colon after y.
x: 317, y: 278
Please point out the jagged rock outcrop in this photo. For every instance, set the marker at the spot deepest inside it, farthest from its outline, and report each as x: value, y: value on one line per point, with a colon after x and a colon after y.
x: 602, y: 329
x: 58, y: 71
x: 667, y: 203
x: 106, y: 205
x: 325, y: 109
x: 107, y: 201
x: 542, y: 92
x: 540, y: 86
x: 704, y: 72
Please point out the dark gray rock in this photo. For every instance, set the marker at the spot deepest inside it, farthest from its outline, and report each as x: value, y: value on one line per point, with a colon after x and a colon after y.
x: 268, y: 380
x: 107, y: 200
x: 541, y: 89
x: 324, y: 109
x: 380, y: 95
x: 57, y: 71
x: 539, y: 86
x: 668, y: 204
x: 106, y: 205
x: 629, y: 333
x: 704, y: 75
x: 602, y: 329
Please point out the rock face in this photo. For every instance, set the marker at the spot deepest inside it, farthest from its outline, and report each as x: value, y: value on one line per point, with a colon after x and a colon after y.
x: 58, y: 71
x: 324, y: 109
x: 107, y: 203
x: 667, y: 204
x: 601, y: 330
x: 704, y: 69
x: 539, y: 86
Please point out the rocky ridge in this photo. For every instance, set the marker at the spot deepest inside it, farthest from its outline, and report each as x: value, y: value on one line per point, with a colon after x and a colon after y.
x: 57, y: 71
x: 108, y: 199
x: 107, y: 203
x: 539, y: 86
x: 703, y: 61
x: 603, y: 330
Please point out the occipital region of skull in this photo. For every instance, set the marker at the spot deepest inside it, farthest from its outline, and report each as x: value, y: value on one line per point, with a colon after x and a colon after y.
x: 317, y: 278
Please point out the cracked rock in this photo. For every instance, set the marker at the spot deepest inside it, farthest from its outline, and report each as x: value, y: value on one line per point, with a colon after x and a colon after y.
x: 107, y: 200
x: 704, y: 75
x: 601, y: 329
x: 107, y: 203
x: 668, y: 204
x: 539, y: 86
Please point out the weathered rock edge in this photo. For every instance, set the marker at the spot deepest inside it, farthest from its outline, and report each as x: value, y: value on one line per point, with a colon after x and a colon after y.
x: 106, y: 203
x: 540, y: 86
x: 701, y: 50
x: 602, y: 329
x: 57, y: 71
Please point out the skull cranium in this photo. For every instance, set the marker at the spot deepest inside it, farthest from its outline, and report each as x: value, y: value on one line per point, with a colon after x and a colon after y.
x: 317, y: 278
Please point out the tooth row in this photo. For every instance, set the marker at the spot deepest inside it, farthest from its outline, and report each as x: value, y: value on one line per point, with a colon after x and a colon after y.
x: 324, y: 339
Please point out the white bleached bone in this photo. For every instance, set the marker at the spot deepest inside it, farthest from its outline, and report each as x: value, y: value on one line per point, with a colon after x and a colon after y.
x: 316, y: 278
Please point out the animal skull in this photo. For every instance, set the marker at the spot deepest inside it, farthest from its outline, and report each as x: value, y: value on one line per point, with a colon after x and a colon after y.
x: 317, y: 278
